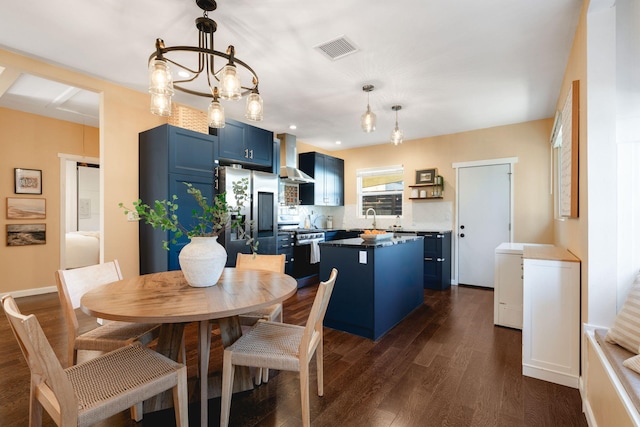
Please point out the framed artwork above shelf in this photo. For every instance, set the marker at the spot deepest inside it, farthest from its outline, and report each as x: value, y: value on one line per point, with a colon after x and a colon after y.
x: 427, y: 189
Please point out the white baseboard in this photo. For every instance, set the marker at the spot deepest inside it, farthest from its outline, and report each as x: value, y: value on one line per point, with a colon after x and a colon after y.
x: 561, y: 378
x: 32, y: 292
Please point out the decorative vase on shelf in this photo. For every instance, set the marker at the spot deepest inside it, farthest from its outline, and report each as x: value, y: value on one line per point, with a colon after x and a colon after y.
x: 202, y: 261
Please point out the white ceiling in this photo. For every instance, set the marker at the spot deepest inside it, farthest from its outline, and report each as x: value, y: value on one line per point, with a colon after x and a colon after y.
x: 452, y: 65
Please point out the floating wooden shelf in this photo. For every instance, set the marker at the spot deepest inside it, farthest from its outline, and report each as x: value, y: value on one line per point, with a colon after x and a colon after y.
x: 428, y: 197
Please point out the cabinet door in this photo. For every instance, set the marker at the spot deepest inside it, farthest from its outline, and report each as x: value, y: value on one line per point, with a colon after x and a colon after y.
x: 259, y: 145
x: 508, y: 290
x: 191, y: 153
x: 339, y: 176
x: 232, y: 141
x: 551, y: 321
x: 332, y: 181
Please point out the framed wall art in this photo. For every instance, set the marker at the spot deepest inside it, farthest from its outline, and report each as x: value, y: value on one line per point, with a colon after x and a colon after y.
x: 426, y: 176
x: 26, y: 208
x: 28, y: 181
x: 26, y: 234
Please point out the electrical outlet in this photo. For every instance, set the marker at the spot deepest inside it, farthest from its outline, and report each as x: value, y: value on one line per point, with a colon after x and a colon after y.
x: 131, y: 216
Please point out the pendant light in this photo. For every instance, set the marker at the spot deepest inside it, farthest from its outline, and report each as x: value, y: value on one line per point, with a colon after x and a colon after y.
x: 368, y: 119
x: 397, y: 136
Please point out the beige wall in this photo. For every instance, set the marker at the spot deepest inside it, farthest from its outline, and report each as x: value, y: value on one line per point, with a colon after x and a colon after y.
x: 33, y: 142
x: 123, y: 114
x: 573, y: 233
x: 529, y: 142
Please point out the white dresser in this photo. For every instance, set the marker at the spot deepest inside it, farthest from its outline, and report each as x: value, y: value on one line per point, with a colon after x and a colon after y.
x: 551, y: 308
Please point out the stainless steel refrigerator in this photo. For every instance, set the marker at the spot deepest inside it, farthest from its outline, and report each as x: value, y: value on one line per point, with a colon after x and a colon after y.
x: 259, y: 215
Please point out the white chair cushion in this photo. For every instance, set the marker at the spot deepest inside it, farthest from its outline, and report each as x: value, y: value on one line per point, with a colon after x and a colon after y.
x: 626, y: 329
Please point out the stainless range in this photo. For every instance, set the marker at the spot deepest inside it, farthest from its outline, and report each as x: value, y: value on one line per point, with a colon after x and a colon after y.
x: 306, y: 252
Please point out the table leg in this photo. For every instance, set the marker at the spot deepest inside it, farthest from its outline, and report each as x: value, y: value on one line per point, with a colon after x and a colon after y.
x: 230, y: 331
x: 170, y: 345
x: 204, y: 347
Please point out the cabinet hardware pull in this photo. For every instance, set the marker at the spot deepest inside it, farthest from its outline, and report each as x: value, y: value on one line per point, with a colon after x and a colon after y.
x: 246, y: 153
x: 428, y: 259
x: 216, y: 186
x: 216, y: 168
x: 440, y: 259
x: 251, y: 154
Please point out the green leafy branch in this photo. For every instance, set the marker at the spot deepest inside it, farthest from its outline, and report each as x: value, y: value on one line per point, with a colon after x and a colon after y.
x: 211, y: 220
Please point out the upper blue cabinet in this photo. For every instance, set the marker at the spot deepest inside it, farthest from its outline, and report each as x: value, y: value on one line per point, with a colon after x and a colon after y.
x: 328, y: 173
x: 245, y: 144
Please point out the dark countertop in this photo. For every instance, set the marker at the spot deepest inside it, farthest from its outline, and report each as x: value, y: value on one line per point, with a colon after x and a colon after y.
x: 361, y: 243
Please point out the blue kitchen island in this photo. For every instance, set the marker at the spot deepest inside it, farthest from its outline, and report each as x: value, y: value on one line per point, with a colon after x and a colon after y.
x: 379, y: 283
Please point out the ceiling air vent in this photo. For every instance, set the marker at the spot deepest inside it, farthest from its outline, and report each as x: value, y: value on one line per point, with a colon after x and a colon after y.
x: 337, y: 48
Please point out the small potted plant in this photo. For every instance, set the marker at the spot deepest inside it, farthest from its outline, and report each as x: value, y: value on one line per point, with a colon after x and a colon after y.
x: 203, y: 258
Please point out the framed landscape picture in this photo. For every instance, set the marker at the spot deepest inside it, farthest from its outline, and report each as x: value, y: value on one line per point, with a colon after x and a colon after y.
x: 26, y: 208
x: 28, y: 181
x: 26, y: 234
x: 426, y: 176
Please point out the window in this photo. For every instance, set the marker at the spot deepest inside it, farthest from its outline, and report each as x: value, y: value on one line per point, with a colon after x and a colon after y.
x: 556, y: 169
x: 381, y: 189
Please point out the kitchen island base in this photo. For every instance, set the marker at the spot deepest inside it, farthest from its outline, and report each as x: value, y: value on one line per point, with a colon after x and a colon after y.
x: 378, y: 284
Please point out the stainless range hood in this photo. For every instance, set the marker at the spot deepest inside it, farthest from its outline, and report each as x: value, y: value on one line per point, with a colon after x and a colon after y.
x: 289, y: 171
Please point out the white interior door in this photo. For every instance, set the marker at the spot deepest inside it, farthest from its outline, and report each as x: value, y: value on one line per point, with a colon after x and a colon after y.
x: 484, y: 215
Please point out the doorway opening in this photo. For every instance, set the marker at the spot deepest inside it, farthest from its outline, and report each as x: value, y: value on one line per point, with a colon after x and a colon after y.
x: 80, y: 199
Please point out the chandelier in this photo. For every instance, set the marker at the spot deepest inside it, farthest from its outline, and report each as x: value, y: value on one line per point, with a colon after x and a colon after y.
x: 223, y: 82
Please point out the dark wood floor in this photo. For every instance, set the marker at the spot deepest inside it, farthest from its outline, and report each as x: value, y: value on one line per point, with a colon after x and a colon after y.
x: 445, y: 365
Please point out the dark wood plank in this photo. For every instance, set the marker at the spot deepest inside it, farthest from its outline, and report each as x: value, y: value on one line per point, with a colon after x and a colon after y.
x: 446, y: 364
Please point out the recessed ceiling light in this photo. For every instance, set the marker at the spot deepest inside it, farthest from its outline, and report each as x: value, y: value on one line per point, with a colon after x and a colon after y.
x: 338, y: 142
x: 292, y: 127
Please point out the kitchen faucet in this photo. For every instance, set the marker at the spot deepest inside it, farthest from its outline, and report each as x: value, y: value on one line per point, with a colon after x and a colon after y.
x: 374, y: 216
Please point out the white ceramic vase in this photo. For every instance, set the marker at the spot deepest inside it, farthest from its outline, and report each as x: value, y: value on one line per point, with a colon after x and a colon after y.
x: 202, y: 261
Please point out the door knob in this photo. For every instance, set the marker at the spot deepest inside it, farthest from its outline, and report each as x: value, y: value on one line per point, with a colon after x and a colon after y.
x: 462, y: 227
x: 461, y: 234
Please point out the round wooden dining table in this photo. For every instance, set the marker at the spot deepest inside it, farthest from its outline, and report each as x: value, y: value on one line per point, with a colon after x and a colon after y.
x: 167, y: 298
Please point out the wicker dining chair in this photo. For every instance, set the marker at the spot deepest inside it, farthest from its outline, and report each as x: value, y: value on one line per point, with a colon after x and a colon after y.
x: 273, y: 312
x: 281, y: 346
x: 91, y: 391
x: 74, y: 283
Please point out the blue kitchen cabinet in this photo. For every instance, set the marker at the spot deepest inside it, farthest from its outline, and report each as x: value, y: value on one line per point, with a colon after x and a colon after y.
x: 168, y: 157
x: 328, y: 174
x: 378, y: 284
x: 245, y: 144
x: 437, y: 259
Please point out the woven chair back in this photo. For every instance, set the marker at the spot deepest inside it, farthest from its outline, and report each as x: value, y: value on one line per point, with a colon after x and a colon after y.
x: 260, y: 262
x: 313, y: 328
x: 42, y: 360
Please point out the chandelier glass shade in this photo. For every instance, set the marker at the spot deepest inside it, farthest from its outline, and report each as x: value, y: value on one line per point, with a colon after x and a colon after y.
x: 223, y: 80
x: 215, y: 113
x: 254, y: 107
x: 160, y: 87
x: 368, y: 119
x: 397, y: 136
